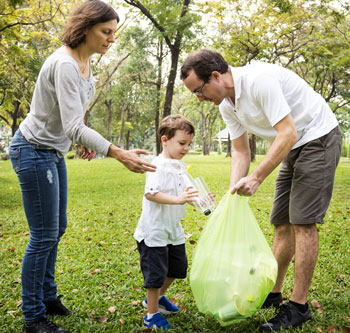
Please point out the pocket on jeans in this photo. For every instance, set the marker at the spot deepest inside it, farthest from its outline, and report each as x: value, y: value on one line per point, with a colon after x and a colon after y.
x: 14, y: 154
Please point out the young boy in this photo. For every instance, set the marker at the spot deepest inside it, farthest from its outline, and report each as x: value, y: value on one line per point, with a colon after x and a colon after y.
x: 159, y: 234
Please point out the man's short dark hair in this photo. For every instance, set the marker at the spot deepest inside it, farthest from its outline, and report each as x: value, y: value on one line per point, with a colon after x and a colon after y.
x: 204, y: 62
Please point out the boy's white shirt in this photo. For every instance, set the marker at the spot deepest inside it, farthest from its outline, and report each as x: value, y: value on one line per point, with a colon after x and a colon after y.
x: 160, y: 224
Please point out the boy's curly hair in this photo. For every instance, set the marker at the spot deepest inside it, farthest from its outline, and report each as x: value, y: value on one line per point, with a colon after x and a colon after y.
x: 175, y: 122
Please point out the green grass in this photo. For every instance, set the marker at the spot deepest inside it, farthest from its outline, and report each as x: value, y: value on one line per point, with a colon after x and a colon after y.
x: 98, y: 270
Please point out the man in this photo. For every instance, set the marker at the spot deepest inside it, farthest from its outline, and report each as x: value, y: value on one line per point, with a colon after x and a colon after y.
x: 277, y: 105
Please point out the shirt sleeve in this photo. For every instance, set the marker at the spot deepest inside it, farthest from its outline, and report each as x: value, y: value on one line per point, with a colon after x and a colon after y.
x: 155, y: 181
x: 234, y: 127
x: 71, y: 110
x: 267, y: 93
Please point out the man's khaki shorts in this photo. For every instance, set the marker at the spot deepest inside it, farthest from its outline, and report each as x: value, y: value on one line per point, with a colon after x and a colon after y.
x: 305, y: 181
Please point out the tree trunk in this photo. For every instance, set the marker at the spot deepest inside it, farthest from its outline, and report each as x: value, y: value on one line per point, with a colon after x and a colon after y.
x: 109, y: 77
x: 15, y: 115
x: 109, y: 118
x: 171, y: 82
x: 158, y: 87
x: 205, y: 126
x: 252, y: 146
x: 211, y: 121
x: 14, y: 126
x: 228, y: 154
x: 204, y: 133
x: 174, y: 48
x: 122, y: 124
x: 205, y: 147
x: 127, y: 136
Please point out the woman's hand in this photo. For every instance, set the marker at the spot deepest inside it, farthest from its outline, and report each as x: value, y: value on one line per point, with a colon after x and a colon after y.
x: 131, y: 159
x: 88, y: 154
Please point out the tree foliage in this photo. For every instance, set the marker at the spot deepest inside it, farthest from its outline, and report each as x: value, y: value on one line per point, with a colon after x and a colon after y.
x: 29, y: 30
x: 310, y: 39
x: 136, y: 80
x: 173, y: 20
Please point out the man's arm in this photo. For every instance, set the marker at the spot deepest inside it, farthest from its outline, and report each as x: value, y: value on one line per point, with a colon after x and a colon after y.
x: 285, y: 140
x: 240, y: 160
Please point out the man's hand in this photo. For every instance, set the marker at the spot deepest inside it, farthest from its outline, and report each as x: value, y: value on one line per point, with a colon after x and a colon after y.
x: 246, y: 186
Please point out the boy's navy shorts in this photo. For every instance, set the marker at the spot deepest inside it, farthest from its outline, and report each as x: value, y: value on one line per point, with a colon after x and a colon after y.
x: 159, y: 262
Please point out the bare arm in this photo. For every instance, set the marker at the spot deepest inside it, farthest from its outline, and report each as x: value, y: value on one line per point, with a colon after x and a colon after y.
x: 281, y: 146
x: 188, y: 196
x: 240, y: 160
x: 285, y: 140
x: 131, y: 159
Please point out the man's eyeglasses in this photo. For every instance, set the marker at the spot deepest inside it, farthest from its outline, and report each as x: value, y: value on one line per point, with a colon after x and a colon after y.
x: 199, y: 92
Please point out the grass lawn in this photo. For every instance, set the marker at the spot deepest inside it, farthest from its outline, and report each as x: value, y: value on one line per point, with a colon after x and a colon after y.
x: 98, y: 269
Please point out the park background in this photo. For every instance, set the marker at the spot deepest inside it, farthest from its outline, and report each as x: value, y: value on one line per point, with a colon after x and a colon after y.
x: 137, y: 85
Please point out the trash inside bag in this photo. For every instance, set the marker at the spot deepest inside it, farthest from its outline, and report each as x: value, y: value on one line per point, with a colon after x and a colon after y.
x: 233, y: 268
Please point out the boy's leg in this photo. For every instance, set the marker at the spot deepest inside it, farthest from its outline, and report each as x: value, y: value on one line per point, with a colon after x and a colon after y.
x: 168, y: 281
x: 152, y: 300
x: 154, y: 267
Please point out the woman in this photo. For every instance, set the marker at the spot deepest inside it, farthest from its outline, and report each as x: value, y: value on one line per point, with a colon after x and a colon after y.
x: 62, y: 93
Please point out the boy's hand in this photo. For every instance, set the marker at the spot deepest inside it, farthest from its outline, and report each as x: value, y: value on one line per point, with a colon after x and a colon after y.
x: 190, y: 196
x: 211, y: 197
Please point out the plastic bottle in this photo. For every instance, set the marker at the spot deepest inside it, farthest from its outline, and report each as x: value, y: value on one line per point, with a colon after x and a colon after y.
x: 228, y: 312
x: 147, y: 158
x: 204, y: 202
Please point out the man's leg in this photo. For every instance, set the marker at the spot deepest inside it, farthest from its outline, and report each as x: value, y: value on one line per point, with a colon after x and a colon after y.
x: 296, y: 311
x: 283, y: 249
x: 306, y: 252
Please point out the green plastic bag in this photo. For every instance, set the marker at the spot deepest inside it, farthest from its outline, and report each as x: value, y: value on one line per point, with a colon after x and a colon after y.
x: 233, y: 268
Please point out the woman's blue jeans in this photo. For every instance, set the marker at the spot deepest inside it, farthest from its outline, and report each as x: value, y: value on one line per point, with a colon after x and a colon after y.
x: 43, y: 179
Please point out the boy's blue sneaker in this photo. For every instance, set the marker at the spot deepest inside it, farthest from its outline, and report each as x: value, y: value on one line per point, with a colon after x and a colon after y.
x: 164, y: 306
x: 157, y: 322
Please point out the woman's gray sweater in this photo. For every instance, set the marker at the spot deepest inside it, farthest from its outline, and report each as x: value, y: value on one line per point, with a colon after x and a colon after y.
x: 61, y: 97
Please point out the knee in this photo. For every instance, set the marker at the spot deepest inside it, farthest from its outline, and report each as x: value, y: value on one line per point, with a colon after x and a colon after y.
x: 305, y: 229
x: 283, y: 229
x: 61, y: 232
x: 43, y: 244
x: 62, y: 226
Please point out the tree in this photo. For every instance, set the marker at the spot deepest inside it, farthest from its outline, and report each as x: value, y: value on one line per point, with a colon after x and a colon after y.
x: 29, y: 30
x: 203, y: 115
x: 173, y: 20
x: 313, y: 41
